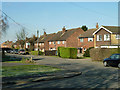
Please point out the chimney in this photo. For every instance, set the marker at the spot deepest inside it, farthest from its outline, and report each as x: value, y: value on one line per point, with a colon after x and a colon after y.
x: 97, y: 26
x: 63, y: 29
x: 45, y: 33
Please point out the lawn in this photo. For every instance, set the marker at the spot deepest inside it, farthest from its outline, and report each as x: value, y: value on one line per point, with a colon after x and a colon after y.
x: 24, y: 70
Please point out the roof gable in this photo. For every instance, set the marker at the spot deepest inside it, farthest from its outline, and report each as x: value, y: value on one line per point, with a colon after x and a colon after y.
x: 100, y: 29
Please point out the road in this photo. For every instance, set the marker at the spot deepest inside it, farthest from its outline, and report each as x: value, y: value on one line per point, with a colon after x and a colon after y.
x: 94, y: 74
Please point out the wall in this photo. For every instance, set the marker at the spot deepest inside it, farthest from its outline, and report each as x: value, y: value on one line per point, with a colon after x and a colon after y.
x: 99, y: 43
x: 114, y: 41
x: 72, y: 41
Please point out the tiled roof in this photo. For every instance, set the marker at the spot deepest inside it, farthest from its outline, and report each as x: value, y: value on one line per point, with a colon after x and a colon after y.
x: 44, y: 38
x: 88, y: 33
x: 113, y: 29
x: 60, y: 36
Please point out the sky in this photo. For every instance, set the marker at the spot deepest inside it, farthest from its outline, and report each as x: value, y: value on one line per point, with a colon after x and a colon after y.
x: 52, y: 16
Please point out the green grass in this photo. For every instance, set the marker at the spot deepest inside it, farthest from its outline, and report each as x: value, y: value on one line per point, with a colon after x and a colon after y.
x: 24, y: 70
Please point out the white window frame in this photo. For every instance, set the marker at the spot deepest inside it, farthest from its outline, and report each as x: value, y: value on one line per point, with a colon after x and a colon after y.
x: 63, y: 42
x: 90, y: 39
x: 58, y: 42
x: 105, y: 37
x: 81, y: 39
x: 117, y: 36
x: 42, y: 43
x: 49, y: 42
x: 98, y: 37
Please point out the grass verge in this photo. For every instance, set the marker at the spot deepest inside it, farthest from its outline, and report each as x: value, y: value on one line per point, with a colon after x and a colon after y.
x: 24, y: 70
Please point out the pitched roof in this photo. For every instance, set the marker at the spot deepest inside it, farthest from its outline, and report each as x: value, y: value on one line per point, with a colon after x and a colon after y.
x: 44, y: 38
x: 60, y: 36
x: 88, y: 33
x: 113, y: 29
x: 110, y: 29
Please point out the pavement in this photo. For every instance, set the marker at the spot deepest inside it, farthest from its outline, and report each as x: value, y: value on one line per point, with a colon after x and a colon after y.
x: 77, y: 73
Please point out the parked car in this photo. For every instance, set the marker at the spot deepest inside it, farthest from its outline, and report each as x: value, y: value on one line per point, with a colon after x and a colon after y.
x: 15, y: 51
x: 21, y: 51
x: 113, y: 60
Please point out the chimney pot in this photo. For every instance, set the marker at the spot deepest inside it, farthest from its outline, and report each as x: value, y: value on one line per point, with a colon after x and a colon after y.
x: 63, y: 29
x: 97, y: 26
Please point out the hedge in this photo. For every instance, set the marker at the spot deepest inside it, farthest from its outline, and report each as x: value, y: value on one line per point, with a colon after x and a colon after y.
x: 36, y: 53
x: 87, y: 52
x: 68, y: 52
x: 58, y: 51
x: 100, y: 54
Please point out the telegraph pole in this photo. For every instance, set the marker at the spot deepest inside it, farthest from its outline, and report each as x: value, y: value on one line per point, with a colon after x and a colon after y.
x: 38, y: 41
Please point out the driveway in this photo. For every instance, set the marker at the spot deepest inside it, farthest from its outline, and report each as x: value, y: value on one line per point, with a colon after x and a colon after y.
x: 94, y: 74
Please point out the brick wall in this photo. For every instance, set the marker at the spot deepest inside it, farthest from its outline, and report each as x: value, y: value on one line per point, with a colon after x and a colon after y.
x: 72, y: 41
x: 99, y: 43
x: 85, y: 44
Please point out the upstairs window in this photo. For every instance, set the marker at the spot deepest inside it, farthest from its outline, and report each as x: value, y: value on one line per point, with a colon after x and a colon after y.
x: 99, y: 37
x: 49, y: 42
x: 81, y: 39
x: 90, y: 39
x: 106, y: 37
x: 53, y: 42
x: 63, y: 42
x: 58, y: 42
x: 117, y: 36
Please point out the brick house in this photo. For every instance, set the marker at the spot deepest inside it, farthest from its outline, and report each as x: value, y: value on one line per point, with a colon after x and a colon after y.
x: 65, y: 38
x: 43, y: 42
x: 7, y: 44
x: 107, y: 37
x: 86, y: 40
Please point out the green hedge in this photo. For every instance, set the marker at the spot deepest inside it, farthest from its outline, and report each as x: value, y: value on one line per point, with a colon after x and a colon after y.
x: 58, y: 51
x: 68, y: 52
x: 36, y: 53
x: 87, y: 52
x: 100, y: 54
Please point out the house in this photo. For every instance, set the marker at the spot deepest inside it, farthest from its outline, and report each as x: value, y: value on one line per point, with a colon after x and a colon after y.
x: 107, y: 37
x: 43, y: 43
x: 17, y: 45
x: 7, y: 44
x: 86, y: 40
x: 65, y: 38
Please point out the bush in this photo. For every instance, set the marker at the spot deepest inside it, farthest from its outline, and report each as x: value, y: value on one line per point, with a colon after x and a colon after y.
x: 87, y: 52
x: 36, y: 53
x: 73, y: 53
x: 100, y: 54
x: 58, y: 51
x: 68, y: 53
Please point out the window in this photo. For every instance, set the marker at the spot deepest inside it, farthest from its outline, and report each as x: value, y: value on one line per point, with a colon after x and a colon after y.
x: 81, y: 39
x: 42, y: 43
x: 53, y: 42
x: 90, y: 39
x: 117, y: 36
x: 63, y: 42
x: 84, y: 49
x: 106, y: 37
x: 58, y: 42
x: 99, y: 37
x: 49, y: 42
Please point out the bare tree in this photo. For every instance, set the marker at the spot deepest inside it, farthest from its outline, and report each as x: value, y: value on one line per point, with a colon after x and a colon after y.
x: 3, y: 24
x: 21, y: 37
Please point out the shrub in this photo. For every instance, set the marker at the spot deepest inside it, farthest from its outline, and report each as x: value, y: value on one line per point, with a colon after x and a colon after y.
x: 65, y: 52
x: 58, y: 51
x: 36, y: 53
x: 87, y: 52
x: 73, y: 53
x: 100, y: 54
x: 68, y: 52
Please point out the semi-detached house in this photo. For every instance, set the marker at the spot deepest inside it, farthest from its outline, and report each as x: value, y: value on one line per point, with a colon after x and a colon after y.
x: 107, y: 37
x: 65, y: 38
